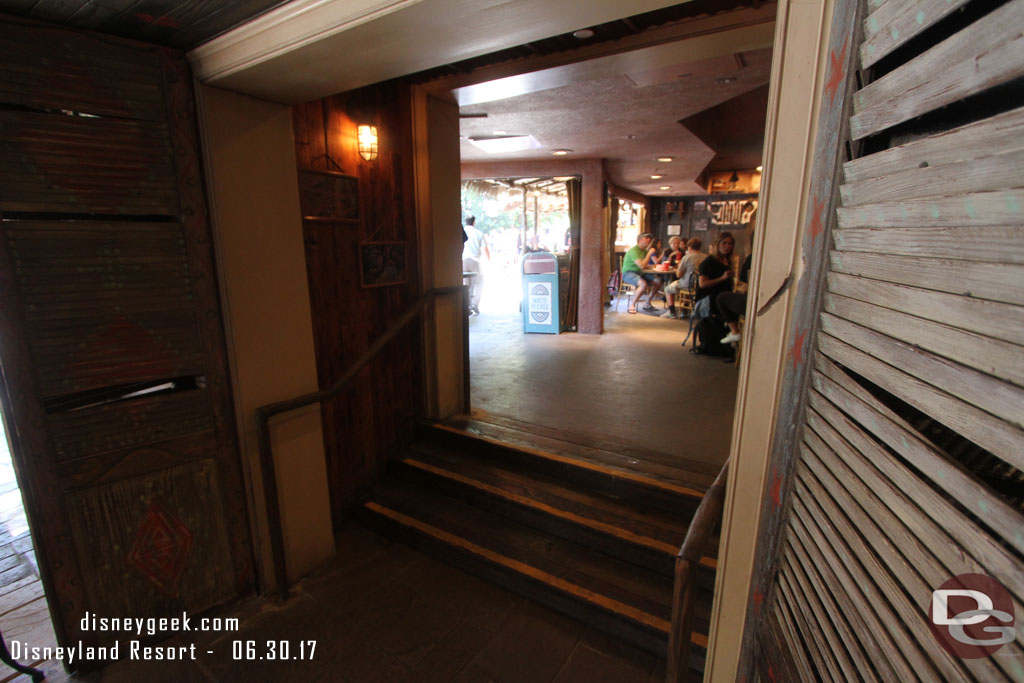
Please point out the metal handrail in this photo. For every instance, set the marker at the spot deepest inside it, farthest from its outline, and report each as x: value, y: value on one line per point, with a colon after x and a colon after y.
x: 264, y: 413
x: 687, y: 562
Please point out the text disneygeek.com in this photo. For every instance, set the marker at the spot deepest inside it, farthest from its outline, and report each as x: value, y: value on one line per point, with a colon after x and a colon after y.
x: 251, y: 650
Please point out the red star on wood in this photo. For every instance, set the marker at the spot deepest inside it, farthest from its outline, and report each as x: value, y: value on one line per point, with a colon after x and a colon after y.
x: 776, y: 488
x: 837, y: 70
x: 816, y: 227
x: 798, y: 348
x: 758, y: 599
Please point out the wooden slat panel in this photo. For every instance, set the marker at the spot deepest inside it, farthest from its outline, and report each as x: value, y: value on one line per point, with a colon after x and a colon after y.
x: 995, y: 135
x: 796, y: 650
x: 971, y: 174
x: 991, y: 281
x: 895, y: 23
x: 985, y: 54
x: 50, y: 162
x: 886, y: 656
x: 842, y: 391
x: 944, y: 531
x: 105, y: 303
x: 987, y: 431
x: 129, y: 423
x: 1001, y: 244
x: 979, y: 208
x: 822, y: 484
x: 1000, y: 359
x: 906, y: 559
x: 823, y: 612
x: 988, y: 393
x: 805, y: 627
x: 813, y: 507
x: 87, y: 73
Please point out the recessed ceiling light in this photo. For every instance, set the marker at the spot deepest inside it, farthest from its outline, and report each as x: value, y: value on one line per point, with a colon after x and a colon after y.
x: 665, y: 187
x: 657, y: 176
x: 583, y: 34
x: 560, y: 152
x: 665, y: 160
x: 726, y: 80
x: 631, y: 137
x: 758, y: 169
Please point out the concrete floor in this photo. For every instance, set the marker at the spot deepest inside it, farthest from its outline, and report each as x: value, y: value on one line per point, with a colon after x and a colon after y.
x: 634, y: 384
x: 381, y: 611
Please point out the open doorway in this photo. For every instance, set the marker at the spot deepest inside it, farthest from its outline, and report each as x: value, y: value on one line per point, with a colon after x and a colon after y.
x: 668, y: 141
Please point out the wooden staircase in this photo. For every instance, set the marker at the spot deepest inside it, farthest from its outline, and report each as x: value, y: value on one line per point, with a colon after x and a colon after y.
x: 594, y: 537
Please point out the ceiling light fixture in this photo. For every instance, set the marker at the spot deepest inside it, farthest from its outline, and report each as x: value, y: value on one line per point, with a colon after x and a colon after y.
x: 665, y: 160
x: 583, y: 33
x: 498, y: 144
x: 734, y: 178
x: 726, y: 80
x: 657, y: 176
x: 560, y: 152
x: 665, y: 187
x: 758, y: 169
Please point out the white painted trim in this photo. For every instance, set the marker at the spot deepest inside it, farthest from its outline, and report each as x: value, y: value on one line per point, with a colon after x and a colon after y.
x: 289, y: 27
x: 798, y: 69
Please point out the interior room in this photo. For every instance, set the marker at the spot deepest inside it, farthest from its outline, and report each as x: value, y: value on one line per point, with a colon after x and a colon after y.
x: 255, y: 436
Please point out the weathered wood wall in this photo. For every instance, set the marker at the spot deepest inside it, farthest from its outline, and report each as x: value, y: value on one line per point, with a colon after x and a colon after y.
x: 364, y: 424
x: 903, y: 467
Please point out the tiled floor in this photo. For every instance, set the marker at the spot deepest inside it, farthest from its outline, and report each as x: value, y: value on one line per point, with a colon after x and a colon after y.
x: 383, y: 612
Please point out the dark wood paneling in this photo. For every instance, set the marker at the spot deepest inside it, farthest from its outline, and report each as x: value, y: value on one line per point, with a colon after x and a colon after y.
x: 181, y: 24
x: 364, y: 424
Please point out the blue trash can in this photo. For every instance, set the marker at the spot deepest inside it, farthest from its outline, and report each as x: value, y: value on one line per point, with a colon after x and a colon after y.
x: 540, y: 293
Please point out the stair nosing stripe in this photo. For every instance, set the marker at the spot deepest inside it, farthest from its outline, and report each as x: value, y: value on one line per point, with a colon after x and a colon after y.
x: 576, y: 462
x: 624, y: 534
x: 587, y: 595
x: 594, y: 524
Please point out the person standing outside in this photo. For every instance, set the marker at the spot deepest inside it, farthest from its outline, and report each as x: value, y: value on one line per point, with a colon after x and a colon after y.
x: 474, y: 247
x: 636, y: 259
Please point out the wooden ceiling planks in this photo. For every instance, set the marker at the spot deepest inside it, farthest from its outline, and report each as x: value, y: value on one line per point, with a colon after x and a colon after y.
x: 182, y: 25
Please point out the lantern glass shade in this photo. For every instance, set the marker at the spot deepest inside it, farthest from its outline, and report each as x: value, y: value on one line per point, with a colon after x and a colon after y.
x: 367, y: 142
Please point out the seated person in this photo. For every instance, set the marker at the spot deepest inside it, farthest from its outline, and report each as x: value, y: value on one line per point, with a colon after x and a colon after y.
x: 656, y: 246
x: 685, y: 269
x: 673, y: 253
x: 714, y: 275
x: 636, y: 259
x: 731, y: 305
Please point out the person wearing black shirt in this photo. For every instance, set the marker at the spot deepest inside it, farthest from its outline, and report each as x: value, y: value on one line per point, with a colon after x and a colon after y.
x: 715, y: 272
x: 731, y: 305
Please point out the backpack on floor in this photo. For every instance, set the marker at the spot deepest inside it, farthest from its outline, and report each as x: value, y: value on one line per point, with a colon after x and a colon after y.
x: 709, y: 332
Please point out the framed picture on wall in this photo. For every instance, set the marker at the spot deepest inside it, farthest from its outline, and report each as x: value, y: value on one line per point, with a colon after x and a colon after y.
x: 700, y: 224
x: 382, y: 264
x: 675, y: 230
x: 327, y: 196
x: 699, y: 206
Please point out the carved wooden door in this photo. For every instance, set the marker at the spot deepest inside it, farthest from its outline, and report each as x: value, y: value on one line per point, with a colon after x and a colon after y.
x: 116, y: 392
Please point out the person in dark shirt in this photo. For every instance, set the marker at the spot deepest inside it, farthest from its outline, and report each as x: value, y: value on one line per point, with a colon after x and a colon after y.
x: 715, y: 273
x: 731, y: 305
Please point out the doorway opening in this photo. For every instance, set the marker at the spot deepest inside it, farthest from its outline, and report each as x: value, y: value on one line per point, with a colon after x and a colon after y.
x: 24, y: 613
x: 667, y: 143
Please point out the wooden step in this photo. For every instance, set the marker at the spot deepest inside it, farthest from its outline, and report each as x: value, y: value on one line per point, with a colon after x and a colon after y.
x: 615, y: 595
x: 650, y: 539
x: 614, y: 475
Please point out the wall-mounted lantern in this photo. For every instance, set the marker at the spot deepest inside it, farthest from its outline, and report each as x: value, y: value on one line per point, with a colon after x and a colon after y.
x: 367, y: 136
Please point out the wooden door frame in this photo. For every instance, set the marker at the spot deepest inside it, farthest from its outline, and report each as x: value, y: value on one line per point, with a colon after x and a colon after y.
x: 775, y: 346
